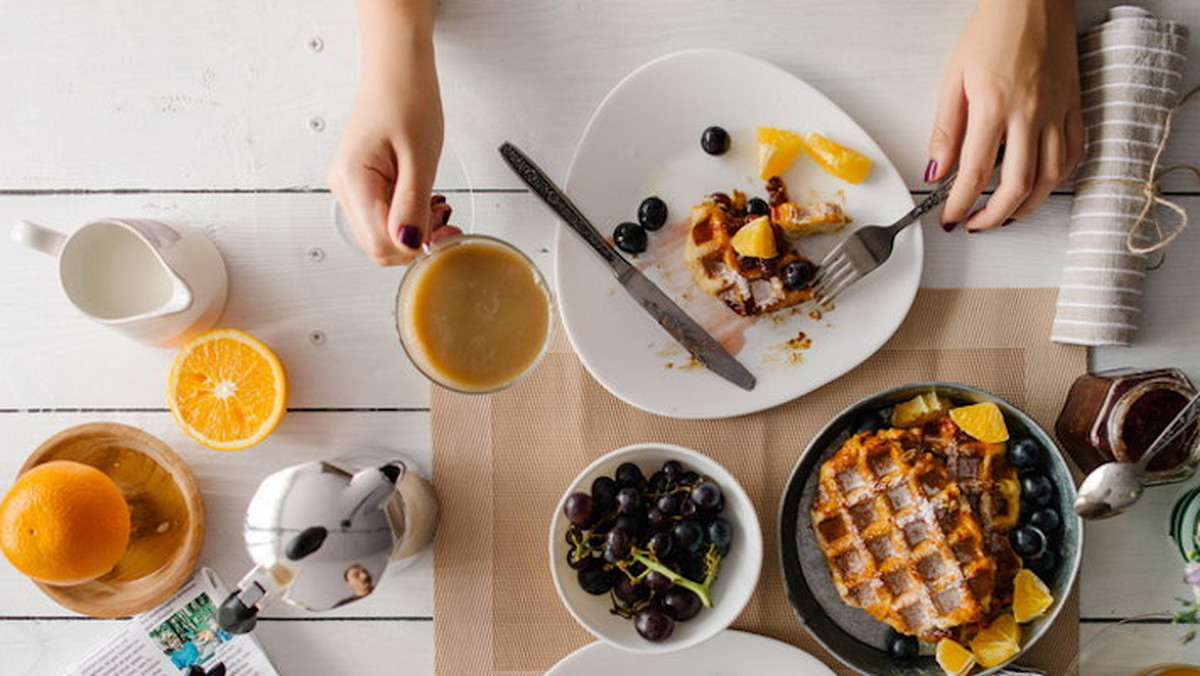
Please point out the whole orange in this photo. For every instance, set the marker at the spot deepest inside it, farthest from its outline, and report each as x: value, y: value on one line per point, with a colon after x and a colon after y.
x: 64, y: 522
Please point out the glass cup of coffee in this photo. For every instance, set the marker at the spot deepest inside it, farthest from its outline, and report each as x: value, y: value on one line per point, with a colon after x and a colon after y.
x: 474, y: 314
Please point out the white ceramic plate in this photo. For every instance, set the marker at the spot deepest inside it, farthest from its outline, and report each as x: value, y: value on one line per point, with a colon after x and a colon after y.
x: 729, y: 653
x: 644, y: 140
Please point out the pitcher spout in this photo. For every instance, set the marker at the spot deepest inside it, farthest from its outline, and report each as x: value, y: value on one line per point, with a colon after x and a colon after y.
x: 181, y: 297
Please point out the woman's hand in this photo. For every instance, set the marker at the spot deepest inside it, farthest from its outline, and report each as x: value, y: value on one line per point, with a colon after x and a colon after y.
x: 384, y: 167
x: 1013, y: 79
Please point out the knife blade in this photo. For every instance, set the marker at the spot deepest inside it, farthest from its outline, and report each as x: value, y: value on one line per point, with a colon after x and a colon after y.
x: 670, y: 316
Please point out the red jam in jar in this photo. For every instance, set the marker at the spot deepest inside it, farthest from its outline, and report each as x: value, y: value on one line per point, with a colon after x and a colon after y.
x: 1116, y: 415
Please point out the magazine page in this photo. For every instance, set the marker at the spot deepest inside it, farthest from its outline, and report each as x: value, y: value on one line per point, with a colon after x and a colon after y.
x: 179, y: 637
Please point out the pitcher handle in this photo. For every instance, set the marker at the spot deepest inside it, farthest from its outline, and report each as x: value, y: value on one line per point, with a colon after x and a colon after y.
x: 38, y: 237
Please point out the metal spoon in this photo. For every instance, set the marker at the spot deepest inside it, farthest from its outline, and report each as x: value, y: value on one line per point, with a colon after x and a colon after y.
x: 1113, y: 487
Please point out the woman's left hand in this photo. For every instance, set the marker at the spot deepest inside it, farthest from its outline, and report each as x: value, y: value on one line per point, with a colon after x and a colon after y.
x: 1013, y: 79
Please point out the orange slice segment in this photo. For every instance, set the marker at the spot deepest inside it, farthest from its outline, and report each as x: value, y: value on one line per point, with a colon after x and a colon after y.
x: 983, y: 421
x: 756, y: 239
x: 954, y: 659
x: 846, y: 164
x: 227, y: 390
x: 997, y: 644
x: 777, y: 151
x: 1031, y: 597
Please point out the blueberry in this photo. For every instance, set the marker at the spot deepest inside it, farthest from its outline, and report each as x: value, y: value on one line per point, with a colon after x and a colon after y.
x: 757, y: 206
x: 652, y: 213
x: 871, y: 422
x: 1044, y: 565
x: 901, y: 647
x: 1029, y: 542
x: 1038, y: 489
x: 630, y: 238
x: 1025, y: 454
x: 1046, y: 520
x: 715, y: 141
x: 798, y: 274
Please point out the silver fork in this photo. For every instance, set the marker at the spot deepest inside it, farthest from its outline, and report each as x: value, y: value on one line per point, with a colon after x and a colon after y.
x: 867, y: 248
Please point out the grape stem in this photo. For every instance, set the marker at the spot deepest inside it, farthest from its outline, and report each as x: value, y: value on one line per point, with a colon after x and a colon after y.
x: 712, y: 564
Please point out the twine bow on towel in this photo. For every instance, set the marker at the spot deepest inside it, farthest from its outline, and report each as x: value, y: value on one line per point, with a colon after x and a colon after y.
x: 1150, y: 190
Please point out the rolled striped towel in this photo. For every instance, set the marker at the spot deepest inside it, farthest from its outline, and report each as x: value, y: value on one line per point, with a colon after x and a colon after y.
x: 1131, y: 69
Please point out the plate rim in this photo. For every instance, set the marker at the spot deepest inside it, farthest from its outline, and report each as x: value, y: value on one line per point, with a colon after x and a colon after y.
x: 562, y: 231
x: 739, y: 633
x: 786, y: 547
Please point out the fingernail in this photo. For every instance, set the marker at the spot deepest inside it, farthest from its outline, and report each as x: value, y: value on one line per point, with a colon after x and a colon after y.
x: 1007, y: 221
x: 971, y: 231
x: 949, y: 226
x: 410, y: 236
x: 930, y: 170
x: 437, y: 199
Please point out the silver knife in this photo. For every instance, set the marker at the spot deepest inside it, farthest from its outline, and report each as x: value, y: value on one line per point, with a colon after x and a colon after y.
x: 670, y: 316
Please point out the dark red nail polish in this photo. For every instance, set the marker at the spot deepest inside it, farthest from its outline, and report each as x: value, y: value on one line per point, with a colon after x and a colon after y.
x: 437, y: 199
x: 410, y: 236
x: 931, y: 170
x: 1007, y: 221
x: 949, y: 226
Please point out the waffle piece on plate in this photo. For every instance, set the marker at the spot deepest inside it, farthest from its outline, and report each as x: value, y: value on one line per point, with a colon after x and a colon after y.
x: 900, y: 538
x: 750, y: 275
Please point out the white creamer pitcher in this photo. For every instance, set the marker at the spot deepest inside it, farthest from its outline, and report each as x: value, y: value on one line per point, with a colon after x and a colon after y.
x: 156, y: 283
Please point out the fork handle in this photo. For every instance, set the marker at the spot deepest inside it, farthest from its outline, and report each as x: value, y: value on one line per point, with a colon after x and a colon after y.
x: 939, y: 195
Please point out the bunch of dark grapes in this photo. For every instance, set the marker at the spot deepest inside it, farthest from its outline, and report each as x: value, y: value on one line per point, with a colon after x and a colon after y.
x: 653, y: 545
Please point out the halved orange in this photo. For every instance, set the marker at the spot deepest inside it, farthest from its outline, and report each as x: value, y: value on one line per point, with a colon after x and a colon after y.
x: 846, y: 164
x: 228, y: 391
x: 64, y: 522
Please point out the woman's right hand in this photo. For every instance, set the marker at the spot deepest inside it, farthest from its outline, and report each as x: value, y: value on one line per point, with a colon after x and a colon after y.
x: 383, y: 171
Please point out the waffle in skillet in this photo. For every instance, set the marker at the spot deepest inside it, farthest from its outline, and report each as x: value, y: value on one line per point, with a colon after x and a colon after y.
x: 899, y: 536
x: 989, y: 483
x: 748, y: 286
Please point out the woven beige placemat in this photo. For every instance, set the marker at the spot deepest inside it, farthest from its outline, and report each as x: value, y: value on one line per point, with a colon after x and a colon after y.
x: 502, y: 461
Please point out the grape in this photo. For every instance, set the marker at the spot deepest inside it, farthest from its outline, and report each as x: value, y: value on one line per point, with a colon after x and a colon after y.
x: 594, y: 579
x: 707, y: 495
x: 657, y: 582
x: 629, y: 524
x: 619, y: 541
x: 680, y: 604
x: 672, y: 470
x: 578, y: 509
x: 630, y: 475
x: 689, y: 536
x: 662, y: 545
x: 720, y: 533
x: 577, y: 564
x: 658, y: 482
x: 690, y: 478
x: 687, y: 508
x: 654, y: 625
x: 604, y: 492
x: 629, y: 591
x: 629, y: 500
x: 656, y: 518
x: 668, y: 504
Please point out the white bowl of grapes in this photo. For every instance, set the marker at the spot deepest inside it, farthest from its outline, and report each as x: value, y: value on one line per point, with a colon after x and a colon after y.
x: 655, y: 548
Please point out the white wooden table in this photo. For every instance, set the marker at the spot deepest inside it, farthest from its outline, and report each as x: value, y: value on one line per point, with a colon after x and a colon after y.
x: 225, y: 113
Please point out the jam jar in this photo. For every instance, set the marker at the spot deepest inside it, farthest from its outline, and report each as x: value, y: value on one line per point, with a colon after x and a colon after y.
x: 1116, y: 415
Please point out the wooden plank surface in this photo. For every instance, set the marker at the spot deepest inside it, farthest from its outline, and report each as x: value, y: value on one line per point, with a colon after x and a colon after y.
x: 224, y: 114
x: 230, y: 94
